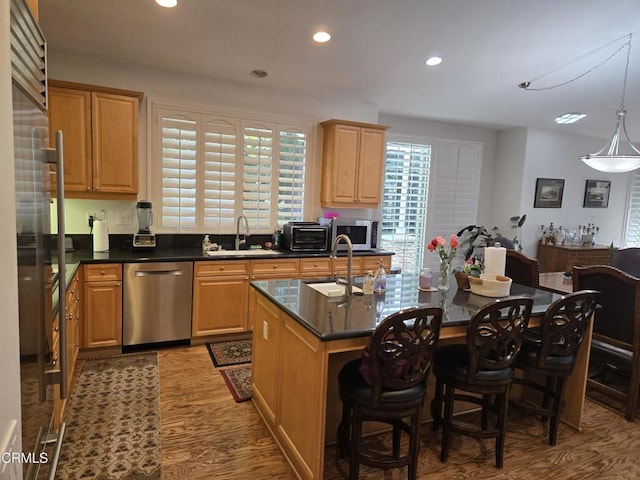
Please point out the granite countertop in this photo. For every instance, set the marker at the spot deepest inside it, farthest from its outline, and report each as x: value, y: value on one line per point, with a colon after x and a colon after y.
x: 332, y: 318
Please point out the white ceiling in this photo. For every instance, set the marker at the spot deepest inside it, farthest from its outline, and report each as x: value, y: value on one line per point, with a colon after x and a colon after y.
x: 378, y: 50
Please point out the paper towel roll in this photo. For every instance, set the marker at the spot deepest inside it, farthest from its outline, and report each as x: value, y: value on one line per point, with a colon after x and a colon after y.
x: 494, y: 260
x: 100, y: 236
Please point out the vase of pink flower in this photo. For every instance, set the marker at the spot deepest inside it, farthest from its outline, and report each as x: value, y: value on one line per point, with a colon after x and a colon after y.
x: 446, y: 253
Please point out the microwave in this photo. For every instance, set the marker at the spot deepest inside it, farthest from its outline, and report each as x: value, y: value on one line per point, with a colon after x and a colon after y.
x: 362, y: 233
x: 305, y: 237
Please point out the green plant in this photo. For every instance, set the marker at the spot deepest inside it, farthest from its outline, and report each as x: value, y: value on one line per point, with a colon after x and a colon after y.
x: 479, y: 236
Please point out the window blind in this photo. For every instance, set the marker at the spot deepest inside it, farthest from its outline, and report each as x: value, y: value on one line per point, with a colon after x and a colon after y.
x: 632, y: 230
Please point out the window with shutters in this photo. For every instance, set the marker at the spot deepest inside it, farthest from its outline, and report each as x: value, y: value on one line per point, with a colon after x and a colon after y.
x: 404, y: 205
x: 213, y: 168
x: 632, y: 225
x: 431, y: 187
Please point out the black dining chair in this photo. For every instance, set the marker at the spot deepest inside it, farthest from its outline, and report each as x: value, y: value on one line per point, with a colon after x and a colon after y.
x: 388, y: 384
x: 627, y: 260
x: 547, y: 359
x: 482, y: 365
x: 521, y: 269
x: 615, y: 344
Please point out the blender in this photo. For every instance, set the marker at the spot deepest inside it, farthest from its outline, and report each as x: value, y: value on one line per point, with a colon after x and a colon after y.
x: 144, y: 238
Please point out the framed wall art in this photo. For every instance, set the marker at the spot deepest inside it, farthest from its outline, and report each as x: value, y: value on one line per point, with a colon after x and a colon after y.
x: 549, y: 193
x: 596, y: 194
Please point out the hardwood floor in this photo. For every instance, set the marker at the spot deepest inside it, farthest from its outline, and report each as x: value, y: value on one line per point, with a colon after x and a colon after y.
x: 206, y: 435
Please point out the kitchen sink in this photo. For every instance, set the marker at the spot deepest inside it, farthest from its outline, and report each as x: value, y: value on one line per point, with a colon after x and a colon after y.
x: 242, y: 253
x: 331, y: 289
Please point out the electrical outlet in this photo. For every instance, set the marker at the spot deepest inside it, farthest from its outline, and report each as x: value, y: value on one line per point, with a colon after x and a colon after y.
x: 265, y: 330
x: 124, y: 219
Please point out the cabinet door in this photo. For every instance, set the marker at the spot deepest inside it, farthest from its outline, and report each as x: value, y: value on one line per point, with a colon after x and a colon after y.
x: 267, y: 327
x: 102, y: 314
x: 340, y: 164
x: 220, y: 305
x: 70, y: 111
x: 371, y: 165
x: 115, y: 143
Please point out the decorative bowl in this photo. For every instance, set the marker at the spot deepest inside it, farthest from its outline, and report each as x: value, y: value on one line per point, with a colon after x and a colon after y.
x: 490, y: 285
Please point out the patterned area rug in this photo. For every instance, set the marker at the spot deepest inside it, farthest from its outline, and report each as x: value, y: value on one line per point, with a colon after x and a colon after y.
x: 238, y: 379
x: 113, y: 421
x: 233, y: 352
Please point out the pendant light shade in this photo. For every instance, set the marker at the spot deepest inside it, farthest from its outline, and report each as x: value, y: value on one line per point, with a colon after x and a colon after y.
x: 618, y: 155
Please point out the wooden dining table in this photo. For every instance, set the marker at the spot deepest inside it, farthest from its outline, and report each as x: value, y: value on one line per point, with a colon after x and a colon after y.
x: 556, y: 282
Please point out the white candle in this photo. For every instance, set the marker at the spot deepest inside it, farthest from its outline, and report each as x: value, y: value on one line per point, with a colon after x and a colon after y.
x: 494, y: 260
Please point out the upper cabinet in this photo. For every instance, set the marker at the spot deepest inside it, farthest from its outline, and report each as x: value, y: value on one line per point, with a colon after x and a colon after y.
x: 100, y: 136
x: 352, y: 164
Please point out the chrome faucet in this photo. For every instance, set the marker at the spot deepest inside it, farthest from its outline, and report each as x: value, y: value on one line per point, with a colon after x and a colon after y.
x: 247, y: 233
x: 348, y: 282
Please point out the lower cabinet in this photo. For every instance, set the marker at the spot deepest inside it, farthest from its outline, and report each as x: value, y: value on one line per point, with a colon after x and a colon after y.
x: 102, y: 298
x: 220, y: 297
x: 71, y: 317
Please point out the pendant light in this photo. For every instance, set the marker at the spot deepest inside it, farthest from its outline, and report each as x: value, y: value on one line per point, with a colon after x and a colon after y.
x: 618, y: 155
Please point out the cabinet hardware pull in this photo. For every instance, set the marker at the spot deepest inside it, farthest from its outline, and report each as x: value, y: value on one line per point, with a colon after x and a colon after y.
x: 103, y: 272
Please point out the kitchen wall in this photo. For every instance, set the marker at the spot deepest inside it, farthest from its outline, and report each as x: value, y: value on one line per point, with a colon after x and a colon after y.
x: 9, y: 342
x: 523, y: 155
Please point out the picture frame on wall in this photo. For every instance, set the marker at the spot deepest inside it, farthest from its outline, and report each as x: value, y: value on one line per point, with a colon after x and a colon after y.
x: 549, y: 193
x: 596, y: 194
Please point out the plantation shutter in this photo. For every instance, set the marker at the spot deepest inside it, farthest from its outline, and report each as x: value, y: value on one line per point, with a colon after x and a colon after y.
x: 179, y: 159
x: 404, y: 206
x: 632, y: 231
x: 291, y: 175
x: 453, y: 203
x: 209, y: 168
x: 257, y: 175
x: 219, y: 186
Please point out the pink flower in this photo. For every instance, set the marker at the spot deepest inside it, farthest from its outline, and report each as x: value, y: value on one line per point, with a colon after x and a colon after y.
x: 440, y: 241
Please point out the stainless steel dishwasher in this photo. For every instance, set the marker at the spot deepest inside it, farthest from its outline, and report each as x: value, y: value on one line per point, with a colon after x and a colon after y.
x: 156, y: 302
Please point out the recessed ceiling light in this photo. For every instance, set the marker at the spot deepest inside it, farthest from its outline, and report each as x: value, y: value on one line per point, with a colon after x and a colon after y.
x: 433, y: 61
x: 321, y: 37
x: 167, y: 3
x: 569, y: 118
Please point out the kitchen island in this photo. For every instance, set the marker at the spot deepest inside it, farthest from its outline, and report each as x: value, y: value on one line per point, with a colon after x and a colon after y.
x: 301, y: 339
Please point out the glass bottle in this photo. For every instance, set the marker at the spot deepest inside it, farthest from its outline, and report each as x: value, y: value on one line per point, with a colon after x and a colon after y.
x: 206, y: 243
x: 380, y: 279
x: 368, y: 283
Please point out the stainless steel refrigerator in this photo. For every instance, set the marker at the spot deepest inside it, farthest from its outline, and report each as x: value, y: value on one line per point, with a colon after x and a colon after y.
x: 42, y: 353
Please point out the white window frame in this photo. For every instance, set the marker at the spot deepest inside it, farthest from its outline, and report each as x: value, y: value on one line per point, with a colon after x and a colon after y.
x: 279, y: 122
x: 454, y: 182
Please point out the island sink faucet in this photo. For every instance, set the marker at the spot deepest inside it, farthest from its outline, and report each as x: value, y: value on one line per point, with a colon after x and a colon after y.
x: 247, y: 233
x: 348, y: 282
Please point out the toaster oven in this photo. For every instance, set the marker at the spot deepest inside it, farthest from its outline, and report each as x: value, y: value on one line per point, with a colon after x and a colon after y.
x: 305, y: 237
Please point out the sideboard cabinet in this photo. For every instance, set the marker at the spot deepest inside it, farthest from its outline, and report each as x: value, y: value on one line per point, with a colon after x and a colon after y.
x: 562, y: 258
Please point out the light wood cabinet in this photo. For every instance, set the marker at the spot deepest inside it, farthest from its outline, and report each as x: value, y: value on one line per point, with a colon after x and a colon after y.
x: 220, y: 297
x: 562, y: 258
x: 100, y: 128
x: 72, y: 317
x: 352, y: 164
x: 274, y: 268
x: 102, y: 299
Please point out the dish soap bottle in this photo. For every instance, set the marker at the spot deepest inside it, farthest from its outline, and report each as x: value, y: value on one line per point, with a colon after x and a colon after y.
x: 206, y: 243
x: 380, y: 279
x: 367, y: 285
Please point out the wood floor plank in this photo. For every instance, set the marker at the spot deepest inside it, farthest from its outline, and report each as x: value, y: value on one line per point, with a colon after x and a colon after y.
x: 207, y: 435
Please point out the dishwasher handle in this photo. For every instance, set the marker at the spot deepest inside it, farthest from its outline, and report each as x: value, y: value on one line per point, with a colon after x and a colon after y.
x: 153, y: 273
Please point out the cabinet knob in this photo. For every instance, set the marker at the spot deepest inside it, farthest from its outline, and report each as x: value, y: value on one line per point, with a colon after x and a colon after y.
x: 88, y: 189
x: 222, y: 267
x: 56, y: 328
x: 316, y: 265
x: 117, y: 284
x: 275, y: 266
x: 103, y: 272
x: 54, y: 360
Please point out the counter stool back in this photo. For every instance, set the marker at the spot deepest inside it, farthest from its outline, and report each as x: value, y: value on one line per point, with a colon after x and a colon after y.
x: 483, y: 365
x: 522, y: 269
x: 549, y: 357
x: 388, y: 385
